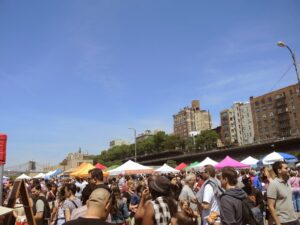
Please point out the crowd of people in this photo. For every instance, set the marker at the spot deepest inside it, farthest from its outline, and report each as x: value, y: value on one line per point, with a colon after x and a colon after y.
x: 267, y: 196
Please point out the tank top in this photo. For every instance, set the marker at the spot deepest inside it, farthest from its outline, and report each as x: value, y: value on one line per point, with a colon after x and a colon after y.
x: 162, y: 214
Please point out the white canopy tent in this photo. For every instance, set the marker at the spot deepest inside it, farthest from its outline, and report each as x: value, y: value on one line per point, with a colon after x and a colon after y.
x: 166, y: 169
x: 271, y: 158
x: 40, y: 175
x: 23, y: 177
x: 250, y: 161
x: 206, y: 161
x: 130, y: 167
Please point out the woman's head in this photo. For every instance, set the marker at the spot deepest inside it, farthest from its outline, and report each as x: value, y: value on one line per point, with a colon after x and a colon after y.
x: 116, y: 191
x: 159, y: 186
x: 61, y: 194
x: 184, y: 204
x: 70, y: 189
x: 181, y: 218
x: 131, y: 185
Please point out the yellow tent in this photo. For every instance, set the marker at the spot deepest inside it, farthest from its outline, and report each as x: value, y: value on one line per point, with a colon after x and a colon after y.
x: 83, y: 171
x: 73, y: 170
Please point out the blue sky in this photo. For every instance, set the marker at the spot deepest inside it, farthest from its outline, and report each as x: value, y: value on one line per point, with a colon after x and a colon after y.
x: 79, y: 73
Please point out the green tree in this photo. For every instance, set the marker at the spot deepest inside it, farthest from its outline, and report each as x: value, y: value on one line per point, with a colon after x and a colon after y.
x: 207, y: 140
x: 146, y: 146
x: 189, y: 144
x: 159, y: 139
x: 172, y: 163
x: 171, y: 142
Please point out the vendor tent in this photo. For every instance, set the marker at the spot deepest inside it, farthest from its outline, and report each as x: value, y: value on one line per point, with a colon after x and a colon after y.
x: 181, y: 166
x: 100, y: 166
x: 250, y: 161
x: 23, y: 177
x: 206, y: 161
x: 79, y: 167
x: 71, y: 170
x: 84, y: 171
x: 40, y: 175
x: 130, y: 167
x: 56, y: 172
x: 166, y: 169
x: 49, y: 175
x: 232, y: 163
x: 111, y: 167
x: 278, y: 156
x: 191, y: 166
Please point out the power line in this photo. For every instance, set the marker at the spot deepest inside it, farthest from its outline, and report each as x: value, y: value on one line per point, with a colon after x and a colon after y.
x: 282, y: 76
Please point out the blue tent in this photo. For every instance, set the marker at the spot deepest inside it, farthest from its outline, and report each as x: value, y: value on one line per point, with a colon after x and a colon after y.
x: 280, y: 156
x: 53, y: 174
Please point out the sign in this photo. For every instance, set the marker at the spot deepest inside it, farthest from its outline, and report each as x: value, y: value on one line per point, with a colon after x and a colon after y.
x: 3, y: 139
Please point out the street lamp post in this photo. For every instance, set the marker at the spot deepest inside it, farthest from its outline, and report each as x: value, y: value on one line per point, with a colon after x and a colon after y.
x: 282, y: 44
x: 134, y: 130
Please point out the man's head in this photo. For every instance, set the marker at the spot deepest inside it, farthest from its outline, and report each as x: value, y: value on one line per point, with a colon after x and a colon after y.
x: 9, y: 184
x: 97, y: 175
x: 36, y: 190
x: 229, y: 177
x: 99, y: 204
x: 190, y: 179
x: 281, y: 170
x: 209, y: 171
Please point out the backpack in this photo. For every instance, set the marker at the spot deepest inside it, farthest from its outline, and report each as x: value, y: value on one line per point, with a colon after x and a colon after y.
x: 248, y: 213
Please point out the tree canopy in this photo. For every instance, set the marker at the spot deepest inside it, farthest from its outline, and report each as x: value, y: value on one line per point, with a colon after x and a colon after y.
x: 157, y: 143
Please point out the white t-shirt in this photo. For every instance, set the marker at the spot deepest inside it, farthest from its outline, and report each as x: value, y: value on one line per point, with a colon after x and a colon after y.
x: 81, y: 186
x: 209, y: 197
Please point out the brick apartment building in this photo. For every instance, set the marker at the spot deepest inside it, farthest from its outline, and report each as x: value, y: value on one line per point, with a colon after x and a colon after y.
x: 276, y: 114
x: 191, y: 119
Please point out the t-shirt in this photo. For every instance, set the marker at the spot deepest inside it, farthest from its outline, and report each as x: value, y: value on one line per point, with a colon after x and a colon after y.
x: 135, y: 199
x: 39, y: 205
x: 87, y: 221
x: 70, y: 204
x: 295, y: 183
x: 188, y: 194
x: 81, y: 186
x: 282, y: 193
x: 79, y: 212
x: 209, y: 197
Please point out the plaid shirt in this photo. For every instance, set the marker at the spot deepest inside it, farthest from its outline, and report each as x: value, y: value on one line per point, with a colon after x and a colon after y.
x: 162, y: 214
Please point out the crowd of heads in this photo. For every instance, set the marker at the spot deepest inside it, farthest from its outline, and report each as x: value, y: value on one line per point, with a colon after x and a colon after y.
x: 104, y: 197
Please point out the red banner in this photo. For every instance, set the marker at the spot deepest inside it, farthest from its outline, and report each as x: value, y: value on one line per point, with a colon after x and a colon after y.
x: 3, y: 139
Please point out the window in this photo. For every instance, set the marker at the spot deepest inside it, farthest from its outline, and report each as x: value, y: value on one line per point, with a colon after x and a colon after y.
x: 270, y: 99
x: 256, y: 103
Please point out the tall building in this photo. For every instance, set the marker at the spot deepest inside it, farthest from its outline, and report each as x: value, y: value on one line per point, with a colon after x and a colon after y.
x: 118, y: 142
x: 147, y: 134
x: 276, y: 114
x: 191, y: 119
x: 237, y: 124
